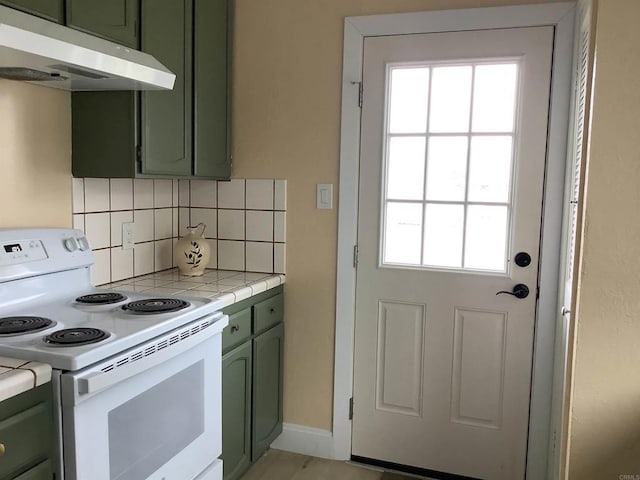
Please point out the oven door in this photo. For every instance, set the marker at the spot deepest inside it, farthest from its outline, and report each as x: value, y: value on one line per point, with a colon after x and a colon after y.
x: 153, y: 412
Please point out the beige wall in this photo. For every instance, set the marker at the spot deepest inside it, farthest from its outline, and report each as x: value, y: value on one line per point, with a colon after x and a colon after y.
x: 35, y: 156
x: 287, y: 91
x: 605, y: 410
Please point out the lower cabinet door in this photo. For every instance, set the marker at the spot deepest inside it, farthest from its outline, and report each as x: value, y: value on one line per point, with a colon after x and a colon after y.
x: 268, y: 359
x: 42, y: 471
x: 236, y: 411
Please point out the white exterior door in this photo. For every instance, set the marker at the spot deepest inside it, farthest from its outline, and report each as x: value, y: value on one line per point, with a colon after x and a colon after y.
x: 453, y: 148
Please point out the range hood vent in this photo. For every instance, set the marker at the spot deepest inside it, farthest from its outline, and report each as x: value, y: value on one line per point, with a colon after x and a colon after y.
x: 48, y: 54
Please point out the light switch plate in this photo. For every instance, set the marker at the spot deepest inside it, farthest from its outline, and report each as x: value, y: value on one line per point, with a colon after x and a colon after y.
x: 127, y: 235
x: 324, y: 196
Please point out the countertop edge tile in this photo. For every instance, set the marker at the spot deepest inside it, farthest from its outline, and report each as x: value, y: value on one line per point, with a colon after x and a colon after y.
x: 221, y: 299
x: 15, y: 382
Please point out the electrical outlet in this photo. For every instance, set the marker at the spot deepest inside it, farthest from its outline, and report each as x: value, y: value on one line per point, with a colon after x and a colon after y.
x: 127, y: 235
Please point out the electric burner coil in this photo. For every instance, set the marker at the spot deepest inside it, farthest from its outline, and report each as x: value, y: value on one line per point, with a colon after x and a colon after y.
x: 76, y: 336
x: 150, y: 306
x: 101, y: 298
x: 23, y: 324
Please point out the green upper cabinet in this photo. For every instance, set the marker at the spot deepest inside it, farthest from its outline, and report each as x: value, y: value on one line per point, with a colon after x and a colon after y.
x: 166, y: 115
x: 49, y: 9
x: 178, y: 133
x: 211, y: 89
x: 115, y: 20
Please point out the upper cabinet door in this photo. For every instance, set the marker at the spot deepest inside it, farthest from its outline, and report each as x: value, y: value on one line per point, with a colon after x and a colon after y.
x: 211, y: 80
x: 49, y: 9
x: 115, y: 20
x: 166, y: 116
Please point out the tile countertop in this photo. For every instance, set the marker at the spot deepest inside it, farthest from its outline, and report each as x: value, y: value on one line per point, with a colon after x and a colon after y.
x: 225, y: 286
x: 18, y: 376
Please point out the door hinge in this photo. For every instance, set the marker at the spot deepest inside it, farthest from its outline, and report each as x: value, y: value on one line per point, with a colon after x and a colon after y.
x: 360, y: 93
x: 355, y: 256
x: 351, y: 408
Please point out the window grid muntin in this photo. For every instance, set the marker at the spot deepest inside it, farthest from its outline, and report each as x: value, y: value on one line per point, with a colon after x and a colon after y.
x: 470, y: 134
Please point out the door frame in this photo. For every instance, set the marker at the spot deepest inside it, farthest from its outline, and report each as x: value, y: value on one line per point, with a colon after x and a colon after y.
x: 561, y: 17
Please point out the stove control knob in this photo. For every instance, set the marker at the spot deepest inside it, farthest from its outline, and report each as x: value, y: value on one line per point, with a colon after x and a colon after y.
x: 70, y: 244
x: 83, y: 243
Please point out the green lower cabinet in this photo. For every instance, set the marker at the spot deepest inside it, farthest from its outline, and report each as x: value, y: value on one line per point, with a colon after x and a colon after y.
x: 236, y: 405
x: 42, y: 471
x: 268, y: 356
x: 26, y: 430
x: 49, y: 9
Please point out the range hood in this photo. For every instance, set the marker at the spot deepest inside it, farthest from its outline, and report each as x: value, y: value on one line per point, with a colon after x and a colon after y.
x: 45, y: 53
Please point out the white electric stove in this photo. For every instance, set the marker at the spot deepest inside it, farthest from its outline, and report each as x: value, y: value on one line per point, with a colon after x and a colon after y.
x: 136, y: 378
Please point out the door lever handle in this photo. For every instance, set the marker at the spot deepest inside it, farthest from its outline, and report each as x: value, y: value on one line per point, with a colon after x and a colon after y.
x: 520, y: 290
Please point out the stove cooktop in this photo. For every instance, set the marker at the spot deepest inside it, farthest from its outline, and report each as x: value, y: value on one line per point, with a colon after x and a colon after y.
x: 70, y: 334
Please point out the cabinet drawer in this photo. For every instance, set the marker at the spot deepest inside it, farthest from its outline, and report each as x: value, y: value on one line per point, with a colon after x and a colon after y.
x: 238, y: 330
x: 267, y: 313
x: 26, y: 438
x: 42, y: 471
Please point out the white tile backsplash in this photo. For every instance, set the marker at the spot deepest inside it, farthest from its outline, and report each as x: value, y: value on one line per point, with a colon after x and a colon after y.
x: 121, y: 264
x: 230, y: 255
x: 203, y: 194
x: 259, y: 257
x: 96, y: 194
x: 259, y: 226
x: 162, y: 193
x: 78, y: 222
x: 98, y: 230
x: 143, y: 228
x: 280, y: 226
x: 77, y: 190
x: 279, y: 258
x: 246, y: 223
x: 231, y: 194
x: 121, y: 194
x: 163, y: 223
x: 142, y: 193
x: 101, y: 269
x: 230, y: 224
x: 208, y: 216
x: 117, y: 219
x: 280, y: 196
x: 184, y: 188
x: 259, y: 194
x: 163, y: 254
x: 144, y: 256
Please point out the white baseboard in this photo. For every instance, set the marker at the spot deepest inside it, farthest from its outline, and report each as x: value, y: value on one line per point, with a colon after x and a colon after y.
x: 310, y: 441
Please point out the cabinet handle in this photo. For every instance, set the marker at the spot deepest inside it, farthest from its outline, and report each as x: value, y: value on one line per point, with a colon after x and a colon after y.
x: 234, y: 328
x: 272, y: 310
x: 2, y: 449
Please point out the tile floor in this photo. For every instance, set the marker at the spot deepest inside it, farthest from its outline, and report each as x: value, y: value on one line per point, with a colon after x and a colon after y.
x: 279, y: 465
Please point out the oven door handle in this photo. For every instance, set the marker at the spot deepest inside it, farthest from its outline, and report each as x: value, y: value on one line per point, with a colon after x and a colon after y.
x: 96, y: 380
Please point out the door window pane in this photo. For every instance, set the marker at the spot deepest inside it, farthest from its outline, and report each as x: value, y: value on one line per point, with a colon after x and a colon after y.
x: 490, y: 169
x: 443, y: 235
x: 494, y: 98
x: 447, y: 167
x: 409, y: 99
x: 403, y: 232
x: 450, y: 99
x: 486, y: 237
x: 405, y: 179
